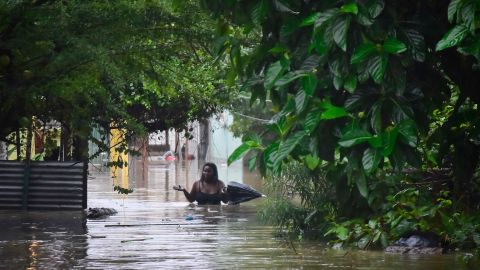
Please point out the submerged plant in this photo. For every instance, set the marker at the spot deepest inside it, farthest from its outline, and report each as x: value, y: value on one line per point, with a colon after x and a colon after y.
x: 299, y: 201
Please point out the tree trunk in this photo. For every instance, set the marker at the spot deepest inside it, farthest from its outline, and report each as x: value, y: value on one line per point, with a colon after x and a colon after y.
x: 65, y: 144
x: 18, y: 145
x: 28, y: 147
x: 204, y: 138
x: 80, y: 149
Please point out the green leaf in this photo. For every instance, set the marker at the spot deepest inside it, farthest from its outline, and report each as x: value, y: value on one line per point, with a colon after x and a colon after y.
x: 311, y: 46
x: 310, y: 64
x: 325, y: 16
x: 402, y: 110
x: 287, y: 146
x: 467, y: 14
x: 349, y: 8
x: 363, y: 16
x: 354, y: 137
x: 362, y: 74
x: 376, y: 67
x: 252, y: 161
x: 353, y: 102
x: 350, y: 83
x: 283, y: 123
x: 452, y: 37
x: 371, y: 159
x: 282, y: 7
x: 269, y: 154
x: 336, y: 66
x: 328, y: 33
x: 384, y: 240
x: 309, y: 84
x: 342, y: 233
x: 416, y: 44
x: 319, y: 42
x: 288, y: 78
x: 362, y: 184
x: 250, y: 82
x: 275, y: 124
x: 278, y: 48
x: 313, y: 145
x: 377, y: 236
x: 312, y: 162
x: 376, y: 8
x: 273, y: 72
x: 309, y: 20
x: 331, y: 111
x: 408, y: 132
x: 254, y: 142
x: 311, y: 120
x: 394, y: 46
x: 362, y: 52
x: 375, y: 141
x: 259, y: 12
x: 389, y: 140
x: 337, y: 82
x: 288, y: 107
x: 452, y: 9
x: 340, y: 31
x: 300, y: 101
x: 238, y: 153
x: 376, y: 117
x: 231, y: 77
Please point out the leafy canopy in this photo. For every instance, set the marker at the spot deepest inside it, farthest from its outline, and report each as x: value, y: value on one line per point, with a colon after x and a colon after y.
x: 356, y: 87
x: 141, y: 65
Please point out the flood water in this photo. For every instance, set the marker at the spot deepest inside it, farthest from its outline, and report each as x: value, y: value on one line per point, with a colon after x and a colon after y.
x: 156, y: 228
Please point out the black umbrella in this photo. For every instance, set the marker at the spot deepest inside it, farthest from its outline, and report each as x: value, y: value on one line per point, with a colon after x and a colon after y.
x: 238, y: 192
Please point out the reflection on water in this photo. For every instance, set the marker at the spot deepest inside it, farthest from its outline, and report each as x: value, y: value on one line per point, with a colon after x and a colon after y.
x: 156, y: 228
x: 39, y: 240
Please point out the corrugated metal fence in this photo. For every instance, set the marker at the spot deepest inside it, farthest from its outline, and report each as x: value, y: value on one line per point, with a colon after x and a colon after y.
x: 43, y: 185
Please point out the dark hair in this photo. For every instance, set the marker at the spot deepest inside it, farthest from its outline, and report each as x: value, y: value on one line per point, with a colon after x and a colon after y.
x: 214, y: 168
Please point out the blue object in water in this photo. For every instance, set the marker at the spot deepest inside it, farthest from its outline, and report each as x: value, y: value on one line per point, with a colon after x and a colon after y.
x: 189, y: 218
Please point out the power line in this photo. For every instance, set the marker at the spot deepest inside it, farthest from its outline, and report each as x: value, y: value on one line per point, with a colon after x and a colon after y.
x: 251, y: 117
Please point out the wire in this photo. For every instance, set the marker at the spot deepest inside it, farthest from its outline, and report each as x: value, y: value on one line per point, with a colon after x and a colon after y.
x: 251, y: 117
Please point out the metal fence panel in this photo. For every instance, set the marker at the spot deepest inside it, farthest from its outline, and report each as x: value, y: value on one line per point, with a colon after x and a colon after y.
x: 44, y: 185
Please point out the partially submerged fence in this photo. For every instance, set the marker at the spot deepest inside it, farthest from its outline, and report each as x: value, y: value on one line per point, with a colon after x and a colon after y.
x: 43, y: 185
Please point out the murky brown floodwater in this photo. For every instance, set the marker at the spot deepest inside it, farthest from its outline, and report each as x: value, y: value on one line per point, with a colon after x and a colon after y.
x: 154, y: 229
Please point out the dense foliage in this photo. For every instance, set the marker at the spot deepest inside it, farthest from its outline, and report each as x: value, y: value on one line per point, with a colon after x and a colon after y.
x: 378, y: 97
x: 139, y: 66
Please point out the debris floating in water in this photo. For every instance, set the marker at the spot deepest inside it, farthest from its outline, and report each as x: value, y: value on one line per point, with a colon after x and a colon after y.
x: 134, y: 240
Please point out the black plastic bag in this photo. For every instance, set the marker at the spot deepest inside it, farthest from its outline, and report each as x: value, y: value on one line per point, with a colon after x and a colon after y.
x: 238, y: 192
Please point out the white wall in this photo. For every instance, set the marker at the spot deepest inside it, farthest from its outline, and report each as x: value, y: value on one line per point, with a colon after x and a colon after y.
x: 222, y: 144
